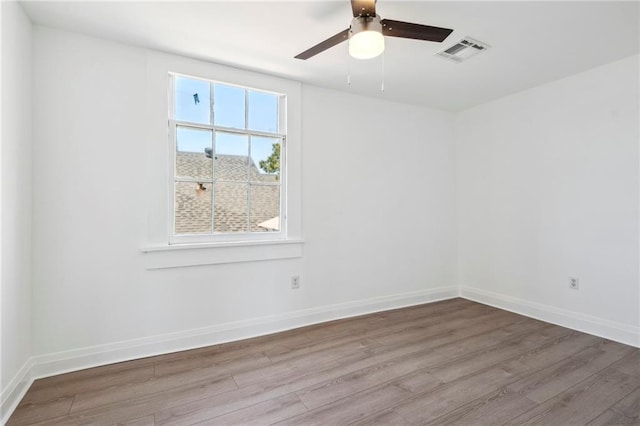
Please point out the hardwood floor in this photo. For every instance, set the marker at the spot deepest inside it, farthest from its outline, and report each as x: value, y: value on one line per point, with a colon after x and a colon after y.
x: 451, y: 362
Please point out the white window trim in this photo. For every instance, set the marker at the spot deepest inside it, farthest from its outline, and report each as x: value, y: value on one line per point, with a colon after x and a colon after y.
x: 182, y: 255
x: 235, y: 236
x: 234, y: 248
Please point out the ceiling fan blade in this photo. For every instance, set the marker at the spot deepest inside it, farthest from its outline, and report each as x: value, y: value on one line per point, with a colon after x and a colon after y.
x: 393, y: 28
x: 321, y: 47
x: 363, y: 8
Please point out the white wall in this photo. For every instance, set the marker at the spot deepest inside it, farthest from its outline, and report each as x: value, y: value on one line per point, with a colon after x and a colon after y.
x: 378, y: 214
x: 547, y: 189
x: 15, y: 200
x: 379, y: 197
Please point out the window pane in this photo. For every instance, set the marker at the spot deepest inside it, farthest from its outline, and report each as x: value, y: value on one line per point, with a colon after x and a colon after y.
x: 230, y: 207
x: 193, y: 154
x: 232, y: 157
x: 265, y: 157
x: 228, y: 106
x: 192, y: 100
x: 265, y: 208
x: 193, y: 208
x: 263, y: 111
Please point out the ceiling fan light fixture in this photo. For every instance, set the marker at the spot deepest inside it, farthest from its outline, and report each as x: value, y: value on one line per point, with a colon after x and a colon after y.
x: 365, y: 37
x: 367, y: 33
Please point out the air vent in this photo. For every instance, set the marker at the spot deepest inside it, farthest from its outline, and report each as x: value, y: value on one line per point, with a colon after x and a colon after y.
x: 463, y: 50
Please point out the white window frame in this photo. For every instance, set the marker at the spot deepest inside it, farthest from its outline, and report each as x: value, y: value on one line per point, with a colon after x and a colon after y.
x: 281, y: 134
x: 158, y: 176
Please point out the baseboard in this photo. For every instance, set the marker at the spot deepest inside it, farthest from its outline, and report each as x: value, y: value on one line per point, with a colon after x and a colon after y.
x: 13, y: 393
x: 78, y: 359
x: 600, y: 327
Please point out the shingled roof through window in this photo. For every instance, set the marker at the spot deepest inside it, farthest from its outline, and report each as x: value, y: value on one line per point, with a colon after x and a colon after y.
x: 193, y: 200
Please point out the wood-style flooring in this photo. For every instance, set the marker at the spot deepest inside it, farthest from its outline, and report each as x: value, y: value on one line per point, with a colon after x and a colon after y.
x: 451, y: 362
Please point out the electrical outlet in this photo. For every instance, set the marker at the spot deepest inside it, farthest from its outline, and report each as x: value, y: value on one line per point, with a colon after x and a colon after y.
x: 573, y: 283
x: 295, y: 282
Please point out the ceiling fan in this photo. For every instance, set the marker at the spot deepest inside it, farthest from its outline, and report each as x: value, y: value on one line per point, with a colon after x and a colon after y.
x: 367, y: 31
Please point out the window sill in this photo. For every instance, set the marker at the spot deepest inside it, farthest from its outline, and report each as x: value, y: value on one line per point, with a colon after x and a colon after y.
x: 196, y: 254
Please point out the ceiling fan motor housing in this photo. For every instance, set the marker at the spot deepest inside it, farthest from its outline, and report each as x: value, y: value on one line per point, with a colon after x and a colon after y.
x: 365, y: 23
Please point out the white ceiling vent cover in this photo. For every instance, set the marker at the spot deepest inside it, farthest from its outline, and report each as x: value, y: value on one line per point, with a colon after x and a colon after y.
x: 463, y: 50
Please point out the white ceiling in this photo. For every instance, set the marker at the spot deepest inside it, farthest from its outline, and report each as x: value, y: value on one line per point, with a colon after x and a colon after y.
x: 531, y: 42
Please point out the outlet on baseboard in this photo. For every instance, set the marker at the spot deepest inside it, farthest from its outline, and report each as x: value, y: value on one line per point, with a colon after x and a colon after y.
x: 574, y: 284
x: 295, y: 282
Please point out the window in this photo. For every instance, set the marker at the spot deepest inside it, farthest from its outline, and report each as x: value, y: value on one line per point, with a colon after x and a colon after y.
x: 228, y: 146
x: 163, y: 247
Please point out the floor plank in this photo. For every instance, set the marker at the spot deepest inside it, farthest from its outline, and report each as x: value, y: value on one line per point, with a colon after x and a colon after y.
x: 29, y: 412
x: 265, y: 413
x: 583, y: 402
x: 205, y: 378
x: 423, y: 406
x: 145, y: 405
x: 624, y: 412
x: 551, y: 381
x: 143, y: 421
x: 353, y: 408
x: 99, y: 379
x: 499, y: 407
x: 450, y: 362
x: 494, y: 408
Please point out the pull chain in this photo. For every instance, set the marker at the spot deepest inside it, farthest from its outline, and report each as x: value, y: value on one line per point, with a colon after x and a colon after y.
x: 348, y: 69
x: 382, y: 74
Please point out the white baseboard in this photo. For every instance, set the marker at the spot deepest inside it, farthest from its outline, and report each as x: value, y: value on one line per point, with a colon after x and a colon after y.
x: 600, y: 327
x: 13, y: 393
x: 78, y: 359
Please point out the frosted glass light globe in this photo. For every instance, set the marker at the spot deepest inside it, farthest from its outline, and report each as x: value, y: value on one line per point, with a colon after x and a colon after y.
x: 366, y: 44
